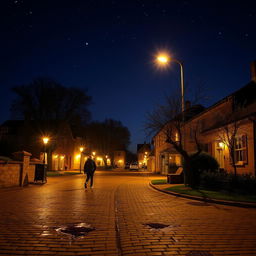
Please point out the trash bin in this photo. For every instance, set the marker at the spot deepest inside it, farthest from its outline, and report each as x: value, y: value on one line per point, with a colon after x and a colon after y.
x: 40, y: 172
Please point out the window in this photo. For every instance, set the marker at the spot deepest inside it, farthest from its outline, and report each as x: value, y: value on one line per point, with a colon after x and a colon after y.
x: 241, y: 149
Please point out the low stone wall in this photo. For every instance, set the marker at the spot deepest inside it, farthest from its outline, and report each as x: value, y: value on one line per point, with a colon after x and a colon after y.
x: 17, y: 173
x: 10, y: 174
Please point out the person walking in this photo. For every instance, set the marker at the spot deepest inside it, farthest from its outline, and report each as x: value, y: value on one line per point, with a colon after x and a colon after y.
x: 89, y: 169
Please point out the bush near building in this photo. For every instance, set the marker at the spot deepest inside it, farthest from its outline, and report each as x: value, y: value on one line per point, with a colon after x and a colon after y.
x: 201, y: 163
x: 241, y: 184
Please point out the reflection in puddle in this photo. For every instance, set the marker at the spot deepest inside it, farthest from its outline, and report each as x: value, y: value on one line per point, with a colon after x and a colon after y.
x: 160, y: 227
x: 75, y: 230
x: 46, y: 233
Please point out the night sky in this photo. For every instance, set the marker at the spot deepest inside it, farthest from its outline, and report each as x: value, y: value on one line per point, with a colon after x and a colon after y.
x: 108, y: 47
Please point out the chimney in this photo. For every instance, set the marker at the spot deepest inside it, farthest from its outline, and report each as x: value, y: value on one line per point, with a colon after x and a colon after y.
x: 253, y: 71
x: 187, y: 104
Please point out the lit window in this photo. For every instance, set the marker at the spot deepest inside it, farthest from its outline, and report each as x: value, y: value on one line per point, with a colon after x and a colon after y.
x: 241, y: 149
x: 176, y: 137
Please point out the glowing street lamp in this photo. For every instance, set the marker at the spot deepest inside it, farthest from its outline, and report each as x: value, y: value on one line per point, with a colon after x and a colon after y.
x: 45, y: 141
x: 163, y: 60
x: 81, y: 152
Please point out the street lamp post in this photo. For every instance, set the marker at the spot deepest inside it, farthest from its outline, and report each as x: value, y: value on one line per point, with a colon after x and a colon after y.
x: 81, y: 152
x: 45, y: 141
x: 163, y: 60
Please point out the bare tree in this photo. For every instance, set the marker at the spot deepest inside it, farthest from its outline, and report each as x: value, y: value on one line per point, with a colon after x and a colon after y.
x: 227, y: 135
x: 46, y: 100
x: 169, y: 120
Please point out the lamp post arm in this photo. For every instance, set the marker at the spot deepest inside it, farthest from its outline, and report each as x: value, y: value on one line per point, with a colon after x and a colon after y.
x: 181, y: 83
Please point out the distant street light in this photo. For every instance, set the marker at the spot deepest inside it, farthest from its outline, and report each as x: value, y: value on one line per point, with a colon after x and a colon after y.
x: 45, y: 141
x: 81, y: 152
x: 163, y: 60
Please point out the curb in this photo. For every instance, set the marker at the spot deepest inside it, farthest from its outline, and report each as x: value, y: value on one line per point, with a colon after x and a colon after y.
x: 207, y: 200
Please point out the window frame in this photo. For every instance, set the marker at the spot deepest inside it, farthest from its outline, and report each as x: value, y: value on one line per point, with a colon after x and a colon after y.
x: 241, y: 150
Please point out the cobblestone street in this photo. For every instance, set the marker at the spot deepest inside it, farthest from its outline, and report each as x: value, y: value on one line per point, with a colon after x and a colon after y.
x: 119, y: 207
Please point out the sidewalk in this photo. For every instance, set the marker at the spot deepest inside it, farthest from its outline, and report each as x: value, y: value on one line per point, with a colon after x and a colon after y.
x: 162, y: 188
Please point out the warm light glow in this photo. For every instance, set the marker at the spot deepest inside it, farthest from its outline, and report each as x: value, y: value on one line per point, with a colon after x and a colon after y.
x: 120, y: 161
x: 99, y: 158
x: 81, y: 149
x: 106, y: 156
x: 78, y: 156
x: 221, y: 145
x: 163, y: 59
x: 45, y: 140
x: 55, y: 156
x: 146, y: 153
x: 62, y: 157
x: 94, y: 153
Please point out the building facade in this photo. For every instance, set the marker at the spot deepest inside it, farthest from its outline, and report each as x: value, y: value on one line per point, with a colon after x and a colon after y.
x: 231, y: 119
x: 143, y: 152
x: 119, y: 158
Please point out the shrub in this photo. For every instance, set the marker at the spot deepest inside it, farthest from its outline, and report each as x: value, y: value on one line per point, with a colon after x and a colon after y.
x: 242, y: 184
x: 213, y: 180
x: 200, y: 163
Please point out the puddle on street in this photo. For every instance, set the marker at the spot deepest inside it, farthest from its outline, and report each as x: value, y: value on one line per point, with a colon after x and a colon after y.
x: 46, y: 233
x: 77, y: 230
x: 160, y: 227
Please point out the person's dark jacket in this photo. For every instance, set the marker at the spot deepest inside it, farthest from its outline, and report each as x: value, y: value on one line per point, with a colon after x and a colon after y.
x: 89, y: 166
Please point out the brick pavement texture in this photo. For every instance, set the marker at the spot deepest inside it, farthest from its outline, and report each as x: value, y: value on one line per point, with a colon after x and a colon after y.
x: 119, y: 208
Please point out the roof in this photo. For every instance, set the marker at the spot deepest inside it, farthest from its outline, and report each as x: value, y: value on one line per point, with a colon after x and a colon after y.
x: 188, y: 114
x: 242, y: 98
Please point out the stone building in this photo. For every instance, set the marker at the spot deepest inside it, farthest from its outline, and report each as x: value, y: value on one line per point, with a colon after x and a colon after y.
x: 236, y: 112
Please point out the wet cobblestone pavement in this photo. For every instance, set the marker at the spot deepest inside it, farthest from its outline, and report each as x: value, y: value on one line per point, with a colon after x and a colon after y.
x: 125, y: 217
